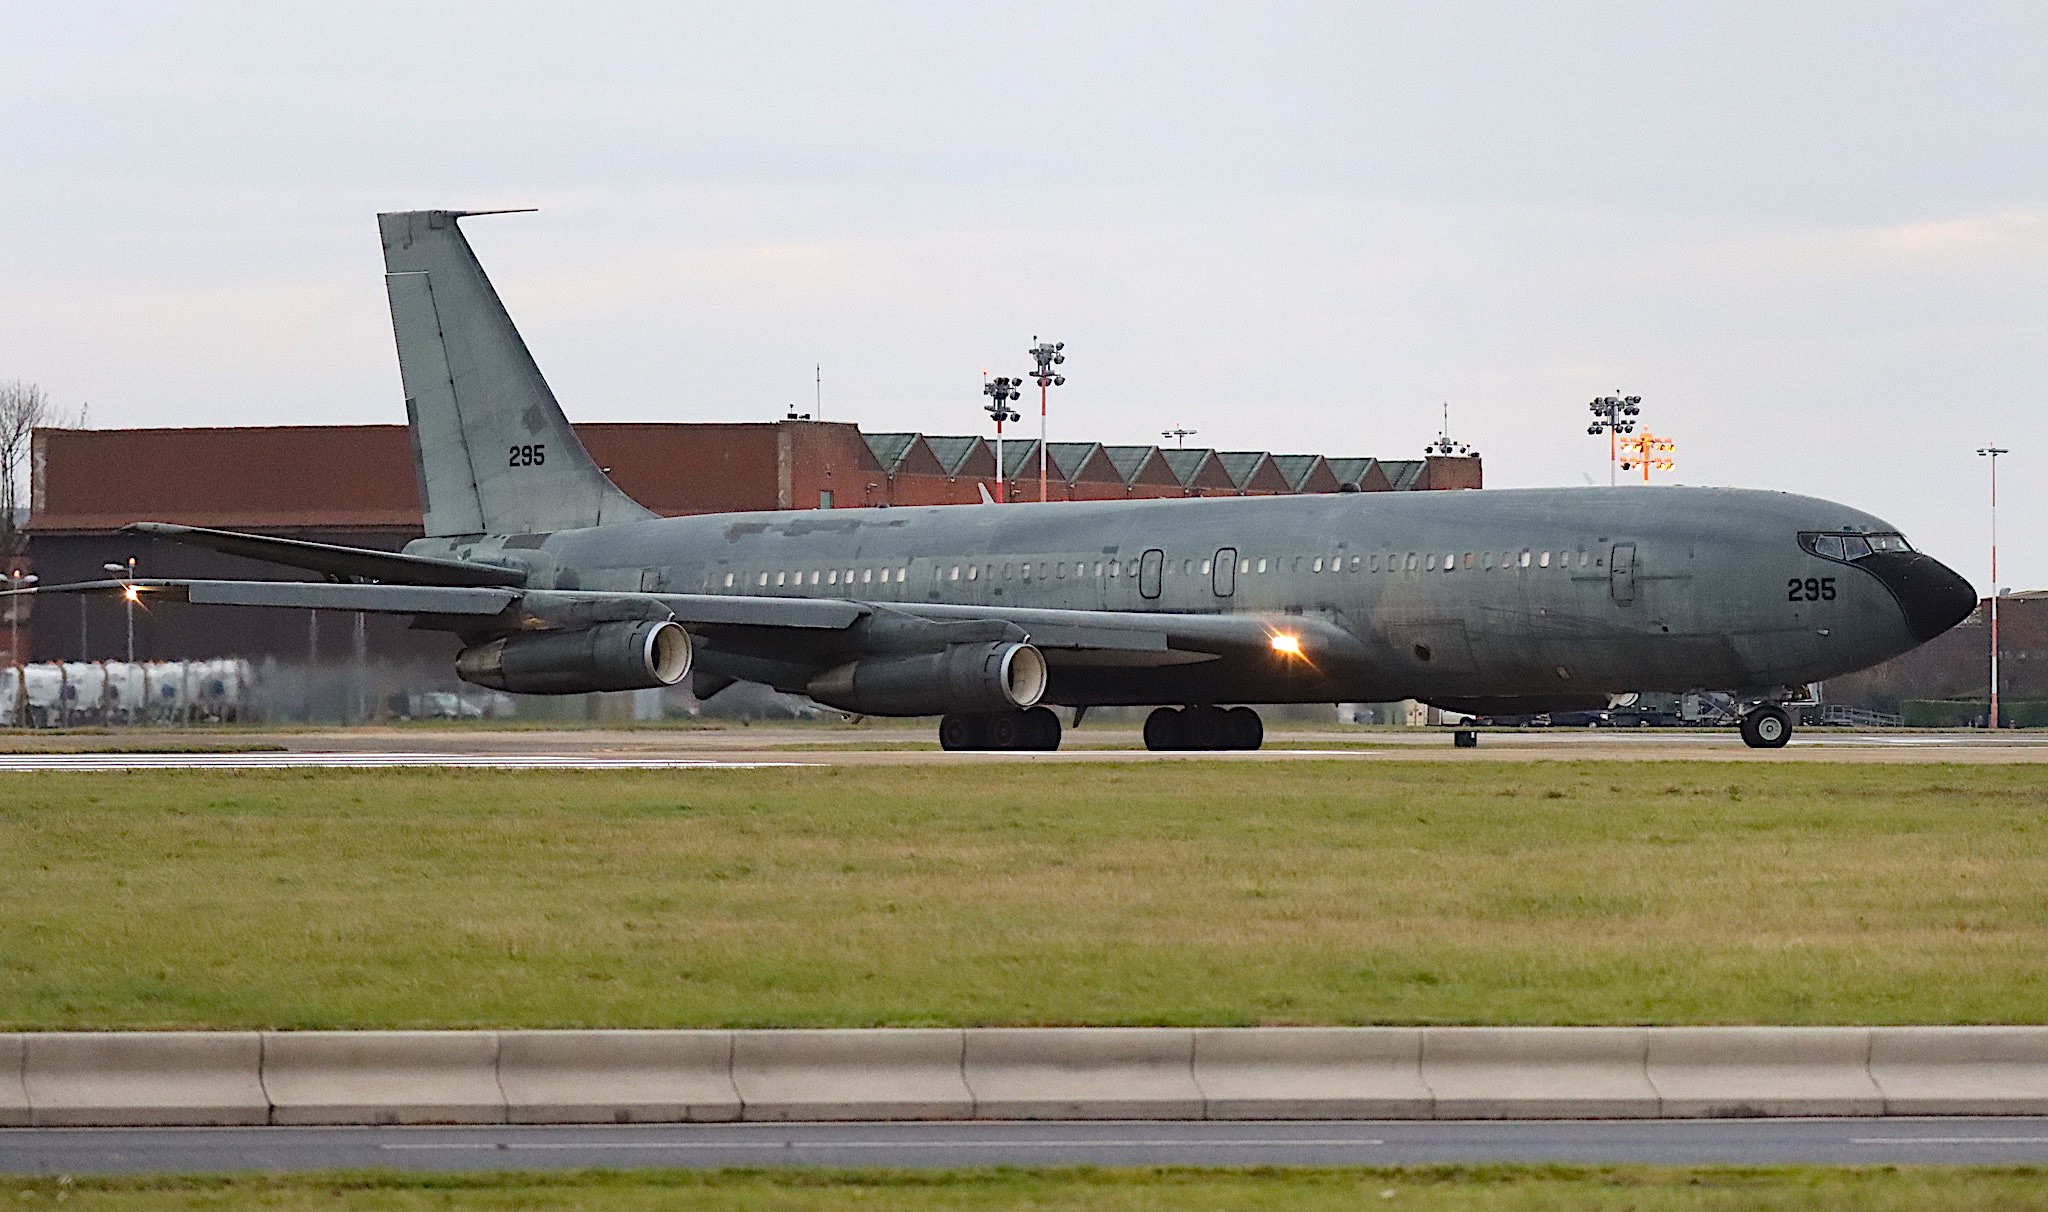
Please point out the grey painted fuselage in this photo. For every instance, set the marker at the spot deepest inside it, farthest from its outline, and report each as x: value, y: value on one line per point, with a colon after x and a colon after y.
x: 1442, y: 595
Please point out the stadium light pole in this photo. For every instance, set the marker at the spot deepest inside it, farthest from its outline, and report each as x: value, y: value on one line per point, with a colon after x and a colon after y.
x: 1992, y: 453
x: 127, y: 571
x: 17, y: 579
x: 1047, y: 354
x: 1000, y: 392
x: 1615, y: 415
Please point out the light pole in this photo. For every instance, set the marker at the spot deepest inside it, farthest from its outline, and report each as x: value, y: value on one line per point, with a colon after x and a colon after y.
x: 1443, y: 445
x: 1000, y: 392
x: 1992, y: 453
x: 17, y: 579
x: 1047, y: 354
x: 1615, y: 415
x: 1648, y: 451
x: 128, y: 596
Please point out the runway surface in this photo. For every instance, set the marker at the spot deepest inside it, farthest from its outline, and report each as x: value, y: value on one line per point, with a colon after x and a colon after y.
x: 688, y: 748
x: 709, y: 1146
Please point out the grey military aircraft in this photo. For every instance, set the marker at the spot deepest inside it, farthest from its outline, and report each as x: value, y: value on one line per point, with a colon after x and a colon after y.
x: 553, y: 581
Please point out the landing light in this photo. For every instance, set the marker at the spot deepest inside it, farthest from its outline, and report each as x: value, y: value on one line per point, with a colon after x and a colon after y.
x: 1286, y: 645
x: 132, y: 593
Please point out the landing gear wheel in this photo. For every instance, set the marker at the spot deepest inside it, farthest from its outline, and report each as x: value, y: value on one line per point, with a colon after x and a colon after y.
x: 1767, y: 727
x: 1247, y: 730
x: 1040, y: 729
x: 1004, y: 730
x: 1205, y: 728
x: 1163, y: 730
x: 961, y: 731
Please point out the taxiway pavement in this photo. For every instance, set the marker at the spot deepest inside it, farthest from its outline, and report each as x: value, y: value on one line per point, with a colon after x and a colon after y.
x: 2001, y: 1141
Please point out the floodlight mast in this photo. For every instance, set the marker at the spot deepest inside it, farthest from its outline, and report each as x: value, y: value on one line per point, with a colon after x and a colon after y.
x: 1992, y: 453
x: 1047, y: 354
x: 1180, y: 434
x: 1615, y: 415
x: 1000, y: 391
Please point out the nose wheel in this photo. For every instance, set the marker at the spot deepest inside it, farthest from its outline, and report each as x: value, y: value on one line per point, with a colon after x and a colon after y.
x: 1767, y: 727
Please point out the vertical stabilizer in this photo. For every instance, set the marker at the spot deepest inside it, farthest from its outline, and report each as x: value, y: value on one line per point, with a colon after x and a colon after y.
x: 493, y: 451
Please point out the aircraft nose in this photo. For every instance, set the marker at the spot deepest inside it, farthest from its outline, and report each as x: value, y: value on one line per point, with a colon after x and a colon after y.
x: 1931, y: 595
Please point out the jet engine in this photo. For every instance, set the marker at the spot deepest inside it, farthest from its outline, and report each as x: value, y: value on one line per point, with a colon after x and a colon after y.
x: 634, y: 655
x: 960, y: 677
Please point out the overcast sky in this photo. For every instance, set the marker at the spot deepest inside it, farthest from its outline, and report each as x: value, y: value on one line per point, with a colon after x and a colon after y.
x: 1814, y: 237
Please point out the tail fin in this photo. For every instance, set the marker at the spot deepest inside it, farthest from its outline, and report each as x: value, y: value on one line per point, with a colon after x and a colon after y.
x: 492, y: 449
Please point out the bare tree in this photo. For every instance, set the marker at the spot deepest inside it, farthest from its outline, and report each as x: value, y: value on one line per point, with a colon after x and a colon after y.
x: 24, y: 408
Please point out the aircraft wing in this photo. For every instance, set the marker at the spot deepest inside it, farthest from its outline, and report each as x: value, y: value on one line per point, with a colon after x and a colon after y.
x: 1066, y: 637
x: 333, y: 559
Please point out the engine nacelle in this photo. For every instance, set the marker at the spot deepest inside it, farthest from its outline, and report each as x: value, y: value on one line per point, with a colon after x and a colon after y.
x: 960, y: 677
x: 635, y: 655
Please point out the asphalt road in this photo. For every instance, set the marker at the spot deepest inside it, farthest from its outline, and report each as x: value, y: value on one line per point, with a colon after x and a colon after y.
x: 708, y: 1146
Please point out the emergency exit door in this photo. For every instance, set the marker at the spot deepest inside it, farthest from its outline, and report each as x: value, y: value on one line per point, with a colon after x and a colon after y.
x: 1150, y: 566
x: 1224, y: 572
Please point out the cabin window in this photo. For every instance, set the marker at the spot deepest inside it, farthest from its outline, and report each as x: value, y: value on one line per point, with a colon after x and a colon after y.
x: 902, y: 574
x: 973, y: 571
x: 1336, y: 563
x: 1486, y: 559
x: 1114, y: 567
x: 728, y: 580
x: 1468, y: 559
x: 832, y: 577
x: 1205, y: 568
x: 1262, y: 563
x: 814, y: 576
x: 1316, y: 565
x: 1007, y: 569
x: 1027, y: 570
x: 1131, y: 569
x: 867, y: 576
x: 1585, y: 559
x: 781, y: 579
x: 1187, y: 567
x: 1542, y: 559
x: 1245, y: 565
x: 1429, y: 562
x: 762, y: 580
x: 849, y: 576
x: 1372, y: 564
x: 1525, y: 557
x: 954, y: 573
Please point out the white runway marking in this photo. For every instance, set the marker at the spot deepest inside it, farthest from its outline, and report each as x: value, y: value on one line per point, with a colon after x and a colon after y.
x: 1949, y: 1140
x: 1136, y: 1142
x: 102, y: 762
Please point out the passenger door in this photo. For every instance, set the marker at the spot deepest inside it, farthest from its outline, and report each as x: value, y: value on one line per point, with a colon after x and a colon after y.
x: 1621, y: 574
x: 1224, y: 574
x: 1150, y: 566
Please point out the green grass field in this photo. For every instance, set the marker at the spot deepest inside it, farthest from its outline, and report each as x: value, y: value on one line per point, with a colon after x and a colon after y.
x: 1223, y: 894
x: 1442, y: 1189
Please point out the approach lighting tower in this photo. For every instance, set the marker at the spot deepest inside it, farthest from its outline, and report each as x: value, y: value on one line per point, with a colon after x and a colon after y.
x: 1180, y: 434
x: 1992, y: 453
x: 1649, y: 452
x: 1615, y: 415
x: 1000, y: 391
x: 1047, y: 354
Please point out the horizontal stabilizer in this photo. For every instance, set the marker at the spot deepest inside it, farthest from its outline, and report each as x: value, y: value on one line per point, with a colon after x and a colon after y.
x: 333, y: 559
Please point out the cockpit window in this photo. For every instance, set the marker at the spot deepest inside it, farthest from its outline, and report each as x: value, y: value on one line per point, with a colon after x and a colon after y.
x: 1851, y: 547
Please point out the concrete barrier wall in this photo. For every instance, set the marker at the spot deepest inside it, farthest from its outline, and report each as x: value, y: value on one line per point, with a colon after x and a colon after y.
x: 1312, y: 1073
x: 1736, y: 1072
x: 1538, y: 1072
x: 92, y: 1079
x: 383, y: 1077
x: 1961, y: 1070
x: 792, y: 1075
x: 1083, y: 1073
x: 13, y: 1094
x: 394, y: 1077
x: 617, y: 1077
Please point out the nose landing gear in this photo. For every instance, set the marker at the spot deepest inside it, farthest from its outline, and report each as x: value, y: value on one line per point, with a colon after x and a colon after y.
x: 1203, y: 727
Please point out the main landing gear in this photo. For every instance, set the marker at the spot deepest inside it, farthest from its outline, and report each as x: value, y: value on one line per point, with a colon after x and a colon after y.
x: 1766, y: 726
x: 1037, y: 728
x: 1204, y: 727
